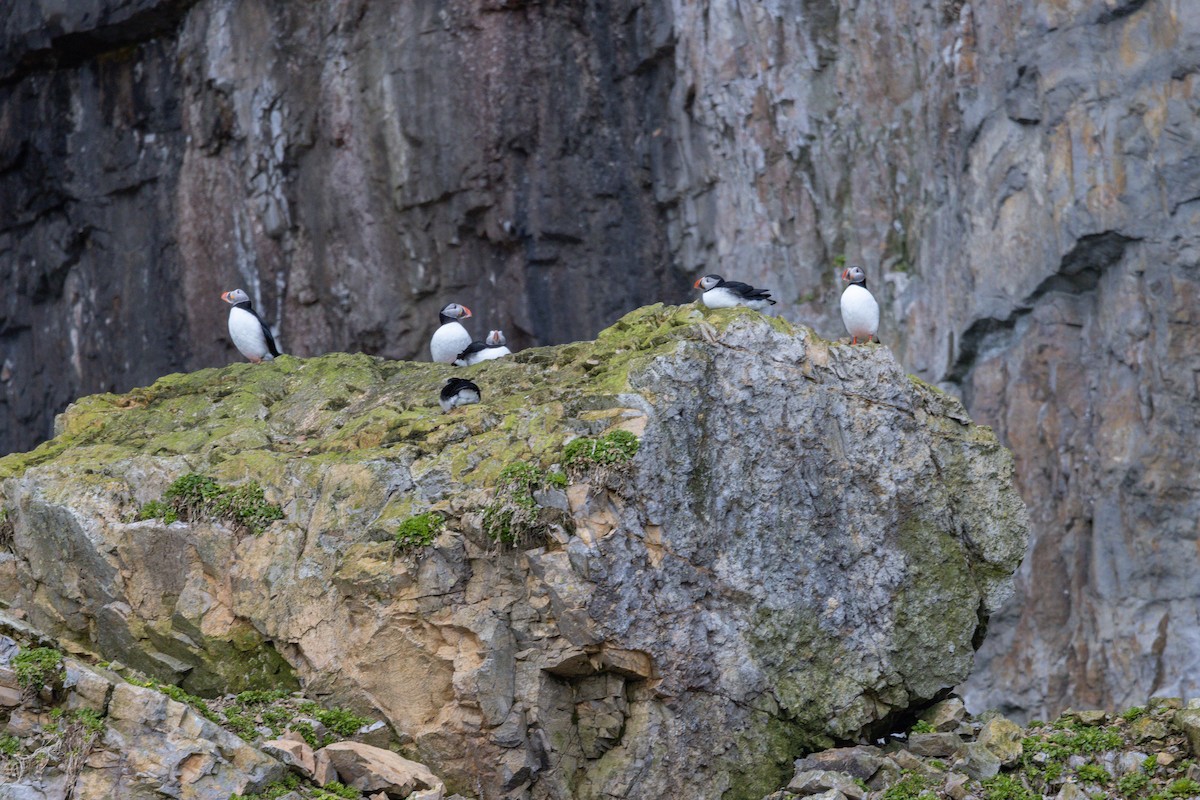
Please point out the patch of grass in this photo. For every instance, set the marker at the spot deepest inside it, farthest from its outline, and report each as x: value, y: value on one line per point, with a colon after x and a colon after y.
x: 1132, y: 783
x: 272, y: 791
x: 9, y: 745
x: 1093, y: 773
x: 556, y: 479
x: 923, y: 726
x: 197, y: 497
x: 513, y: 513
x: 1006, y: 787
x: 1183, y: 787
x: 254, y: 697
x: 342, y: 722
x: 911, y: 786
x: 91, y: 720
x: 157, y: 509
x: 38, y: 667
x: 612, y: 449
x: 1150, y: 764
x: 1134, y: 713
x: 419, y: 530
x: 337, y: 791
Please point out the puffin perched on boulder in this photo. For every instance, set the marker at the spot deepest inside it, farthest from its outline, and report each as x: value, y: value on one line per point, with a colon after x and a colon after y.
x: 458, y: 392
x: 860, y: 312
x: 720, y: 293
x: 451, y: 338
x: 250, y: 334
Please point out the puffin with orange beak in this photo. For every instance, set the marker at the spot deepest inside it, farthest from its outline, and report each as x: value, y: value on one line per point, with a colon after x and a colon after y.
x: 720, y: 293
x: 451, y: 338
x: 860, y: 312
x: 250, y: 334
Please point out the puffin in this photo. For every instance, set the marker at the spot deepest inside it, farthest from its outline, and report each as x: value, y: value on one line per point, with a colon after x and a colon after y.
x: 458, y: 392
x: 250, y: 334
x: 451, y: 338
x: 720, y: 293
x: 489, y: 348
x: 860, y: 312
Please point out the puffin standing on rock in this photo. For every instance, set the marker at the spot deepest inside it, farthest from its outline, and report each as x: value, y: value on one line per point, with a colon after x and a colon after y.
x: 250, y: 334
x: 451, y: 338
x: 491, y: 347
x: 458, y: 392
x: 720, y: 293
x: 860, y: 312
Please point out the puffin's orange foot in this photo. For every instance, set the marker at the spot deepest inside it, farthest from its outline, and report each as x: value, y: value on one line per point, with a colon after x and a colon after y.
x: 853, y: 340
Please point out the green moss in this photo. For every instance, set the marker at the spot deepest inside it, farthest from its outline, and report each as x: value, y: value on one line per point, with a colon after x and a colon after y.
x: 38, y: 667
x: 339, y: 720
x: 614, y: 448
x: 911, y: 786
x: 9, y: 745
x: 198, y: 497
x: 419, y: 531
x: 922, y: 726
x: 157, y: 509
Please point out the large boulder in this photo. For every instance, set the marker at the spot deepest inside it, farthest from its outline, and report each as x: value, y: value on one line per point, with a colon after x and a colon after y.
x: 807, y: 543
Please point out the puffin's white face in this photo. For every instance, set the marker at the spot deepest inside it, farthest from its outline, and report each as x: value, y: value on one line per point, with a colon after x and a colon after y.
x: 456, y: 311
x: 234, y: 297
x: 707, y: 282
x: 495, y: 339
x: 854, y: 274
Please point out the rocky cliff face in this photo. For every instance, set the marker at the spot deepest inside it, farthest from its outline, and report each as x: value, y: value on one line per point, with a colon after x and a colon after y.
x: 1018, y: 177
x: 806, y: 546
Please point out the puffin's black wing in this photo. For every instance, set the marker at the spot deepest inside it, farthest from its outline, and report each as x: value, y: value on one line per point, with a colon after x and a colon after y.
x: 747, y: 291
x: 265, y: 328
x: 455, y: 385
x: 473, y: 347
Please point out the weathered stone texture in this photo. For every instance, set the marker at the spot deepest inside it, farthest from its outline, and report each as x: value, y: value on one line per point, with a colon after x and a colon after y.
x: 1019, y: 178
x: 807, y: 545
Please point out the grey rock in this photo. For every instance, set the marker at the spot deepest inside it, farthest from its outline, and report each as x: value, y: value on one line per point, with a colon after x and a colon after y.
x: 817, y: 782
x: 977, y: 761
x: 861, y: 761
x: 946, y: 715
x: 934, y: 745
x: 1188, y: 721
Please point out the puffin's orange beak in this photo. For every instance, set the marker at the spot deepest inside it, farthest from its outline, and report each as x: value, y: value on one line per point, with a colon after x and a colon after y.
x: 696, y: 285
x: 225, y: 296
x: 846, y: 274
x: 464, y: 308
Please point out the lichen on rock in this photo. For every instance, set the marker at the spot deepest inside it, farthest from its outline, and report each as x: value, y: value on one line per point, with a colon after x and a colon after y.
x: 806, y: 544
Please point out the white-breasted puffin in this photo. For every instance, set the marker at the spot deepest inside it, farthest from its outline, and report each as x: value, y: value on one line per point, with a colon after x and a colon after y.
x: 860, y: 312
x: 250, y: 334
x: 491, y: 347
x: 458, y: 392
x: 451, y: 338
x: 720, y: 293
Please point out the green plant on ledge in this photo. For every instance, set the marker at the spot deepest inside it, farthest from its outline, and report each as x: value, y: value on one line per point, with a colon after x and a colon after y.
x: 196, y: 497
x: 419, y: 531
x: 513, y: 514
x: 38, y: 667
x: 607, y: 452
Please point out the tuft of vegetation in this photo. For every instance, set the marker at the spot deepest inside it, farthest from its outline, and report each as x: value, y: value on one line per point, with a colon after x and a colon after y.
x: 911, y: 786
x: 513, y: 514
x: 272, y: 791
x: 342, y: 722
x: 9, y: 745
x: 1007, y: 787
x: 38, y: 667
x: 419, y: 531
x: 923, y: 726
x: 610, y: 450
x: 1093, y: 773
x: 197, y: 497
x: 179, y: 695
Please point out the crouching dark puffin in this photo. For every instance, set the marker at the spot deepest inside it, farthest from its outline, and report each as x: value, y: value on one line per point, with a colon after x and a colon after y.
x: 720, y: 293
x: 458, y: 392
x: 860, y: 312
x: 451, y: 338
x: 250, y: 334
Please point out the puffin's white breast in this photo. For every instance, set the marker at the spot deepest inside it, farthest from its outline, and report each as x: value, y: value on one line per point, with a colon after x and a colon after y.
x: 488, y: 353
x: 720, y: 297
x: 860, y: 312
x: 448, y: 341
x: 247, y: 334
